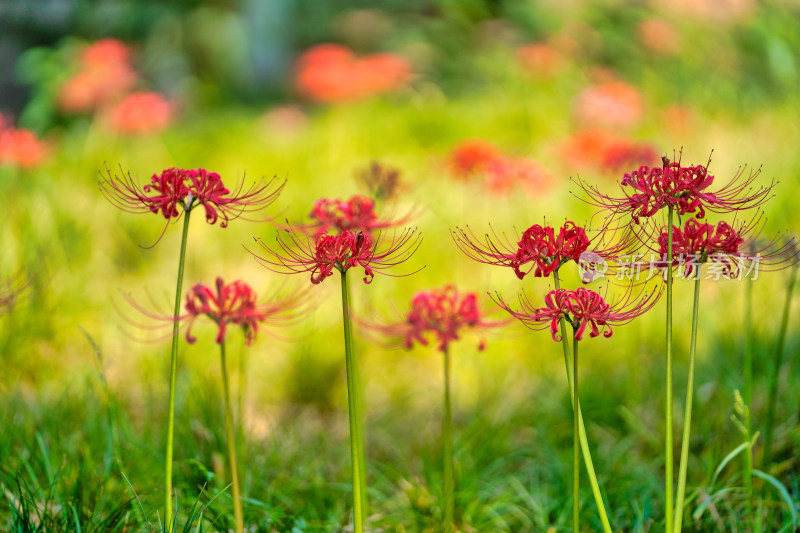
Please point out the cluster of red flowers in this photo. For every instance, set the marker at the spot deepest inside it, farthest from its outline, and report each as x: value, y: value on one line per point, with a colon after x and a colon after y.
x: 235, y: 303
x: 603, y: 150
x: 103, y: 82
x: 341, y: 252
x: 538, y: 246
x: 682, y: 188
x: 332, y: 73
x: 582, y: 308
x: 354, y: 214
x: 104, y: 75
x: 442, y: 313
x: 478, y: 158
x: 187, y: 188
x: 20, y: 147
x: 698, y: 242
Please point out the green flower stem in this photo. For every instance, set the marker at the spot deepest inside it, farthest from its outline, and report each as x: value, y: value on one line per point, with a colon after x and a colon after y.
x: 231, y: 435
x: 687, y: 419
x: 748, y: 399
x: 587, y: 454
x: 447, y: 435
x: 239, y: 421
x: 173, y: 372
x: 776, y: 367
x: 668, y: 507
x: 357, y: 391
x: 352, y: 403
x: 576, y: 447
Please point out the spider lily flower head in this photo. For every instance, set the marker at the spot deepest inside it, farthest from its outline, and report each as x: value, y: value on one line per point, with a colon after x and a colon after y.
x: 698, y: 242
x: 540, y: 249
x: 729, y: 246
x: 187, y: 189
x: 582, y: 308
x: 682, y: 188
x: 234, y: 303
x: 355, y: 214
x: 441, y: 314
x: 299, y: 254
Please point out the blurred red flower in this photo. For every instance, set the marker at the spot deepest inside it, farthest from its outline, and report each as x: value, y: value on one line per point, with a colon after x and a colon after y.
x: 659, y: 36
x: 441, y: 313
x: 104, y: 75
x: 507, y: 173
x: 612, y: 104
x: 603, y: 150
x: 473, y: 157
x: 235, y: 303
x: 20, y: 147
x: 540, y: 60
x: 332, y: 73
x: 478, y: 158
x: 142, y: 112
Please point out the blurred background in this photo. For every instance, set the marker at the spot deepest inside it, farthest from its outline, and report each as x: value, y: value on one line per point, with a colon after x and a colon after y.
x: 471, y: 112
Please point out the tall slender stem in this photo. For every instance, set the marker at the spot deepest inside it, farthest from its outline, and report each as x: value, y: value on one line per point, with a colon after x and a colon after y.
x: 231, y: 435
x: 352, y: 403
x: 748, y: 399
x: 447, y: 438
x: 668, y: 507
x: 687, y: 419
x: 359, y: 396
x: 587, y: 454
x: 173, y: 371
x: 576, y: 451
x: 239, y: 423
x: 776, y: 367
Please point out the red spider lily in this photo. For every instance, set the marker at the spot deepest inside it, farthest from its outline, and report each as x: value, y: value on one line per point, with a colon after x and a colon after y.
x: 176, y: 187
x: 730, y: 246
x: 441, y: 313
x: 341, y: 252
x: 540, y: 248
x: 582, y: 308
x: 355, y: 214
x: 682, y: 188
x: 698, y: 242
x: 235, y: 303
